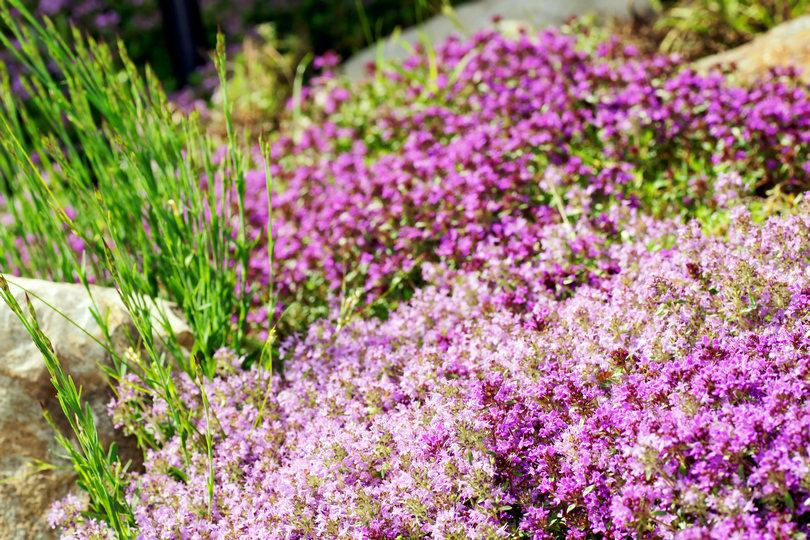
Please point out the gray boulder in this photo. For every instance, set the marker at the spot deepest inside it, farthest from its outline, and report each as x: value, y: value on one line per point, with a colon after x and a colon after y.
x: 25, y: 435
x: 474, y: 16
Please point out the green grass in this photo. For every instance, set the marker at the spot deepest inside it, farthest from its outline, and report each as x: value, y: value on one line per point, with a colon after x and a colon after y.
x: 118, y: 172
x: 116, y: 156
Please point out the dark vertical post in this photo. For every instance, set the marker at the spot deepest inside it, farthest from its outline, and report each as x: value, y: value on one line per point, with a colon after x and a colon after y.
x: 185, y: 36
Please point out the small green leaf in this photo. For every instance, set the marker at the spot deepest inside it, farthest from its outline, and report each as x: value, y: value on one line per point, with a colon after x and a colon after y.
x: 570, y: 507
x: 178, y: 475
x: 112, y: 454
x: 588, y: 489
x: 789, y: 501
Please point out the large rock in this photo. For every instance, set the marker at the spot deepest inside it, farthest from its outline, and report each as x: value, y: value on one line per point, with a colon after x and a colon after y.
x: 25, y: 383
x: 785, y: 44
x: 477, y: 15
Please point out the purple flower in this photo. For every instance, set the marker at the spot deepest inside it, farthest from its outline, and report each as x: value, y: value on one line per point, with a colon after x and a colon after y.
x: 654, y: 402
x: 328, y: 60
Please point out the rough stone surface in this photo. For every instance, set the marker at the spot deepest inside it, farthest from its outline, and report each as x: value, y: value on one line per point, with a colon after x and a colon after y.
x: 787, y: 43
x: 25, y: 382
x: 474, y: 16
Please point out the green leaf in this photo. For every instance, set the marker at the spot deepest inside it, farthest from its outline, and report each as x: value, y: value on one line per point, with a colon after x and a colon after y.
x: 112, y: 454
x: 177, y: 474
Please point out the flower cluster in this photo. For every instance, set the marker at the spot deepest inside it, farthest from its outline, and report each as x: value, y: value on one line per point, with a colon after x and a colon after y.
x: 408, y: 168
x: 664, y: 397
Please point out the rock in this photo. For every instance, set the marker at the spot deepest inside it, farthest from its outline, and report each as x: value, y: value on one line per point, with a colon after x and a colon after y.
x: 25, y: 382
x: 785, y: 44
x: 474, y: 16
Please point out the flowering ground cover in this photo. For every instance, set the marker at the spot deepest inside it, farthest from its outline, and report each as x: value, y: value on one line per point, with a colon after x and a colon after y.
x: 537, y: 129
x: 666, y: 398
x: 591, y: 279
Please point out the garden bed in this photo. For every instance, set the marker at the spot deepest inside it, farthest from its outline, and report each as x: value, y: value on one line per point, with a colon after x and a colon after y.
x: 533, y: 287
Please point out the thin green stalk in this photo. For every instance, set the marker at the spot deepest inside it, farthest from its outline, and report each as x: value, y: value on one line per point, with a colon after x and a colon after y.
x: 559, y: 204
x: 270, y: 307
x: 35, y: 466
x: 208, y: 440
x: 298, y: 85
x: 361, y: 12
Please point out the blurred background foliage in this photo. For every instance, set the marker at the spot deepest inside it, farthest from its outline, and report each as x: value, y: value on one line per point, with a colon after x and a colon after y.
x: 697, y: 28
x: 317, y: 25
x: 699, y: 24
x: 267, y: 40
x: 270, y: 39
